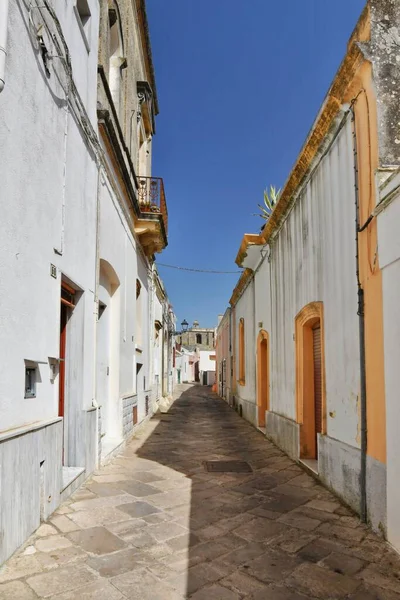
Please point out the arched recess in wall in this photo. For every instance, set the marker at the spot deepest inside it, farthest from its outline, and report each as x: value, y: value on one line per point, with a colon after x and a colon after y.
x: 310, y: 378
x: 107, y: 350
x: 242, y: 355
x: 116, y: 53
x: 262, y: 376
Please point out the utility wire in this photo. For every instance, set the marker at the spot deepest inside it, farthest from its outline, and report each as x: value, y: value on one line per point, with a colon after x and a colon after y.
x: 197, y: 270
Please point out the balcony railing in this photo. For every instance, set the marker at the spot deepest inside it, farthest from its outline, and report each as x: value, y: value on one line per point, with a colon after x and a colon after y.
x: 151, y: 196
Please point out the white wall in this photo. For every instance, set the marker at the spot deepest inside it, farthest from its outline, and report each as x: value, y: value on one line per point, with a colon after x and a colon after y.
x: 32, y: 170
x: 206, y: 364
x: 314, y: 250
x: 245, y: 310
x: 389, y: 259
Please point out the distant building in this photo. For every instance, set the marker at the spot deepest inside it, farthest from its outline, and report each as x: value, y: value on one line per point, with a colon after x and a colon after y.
x: 197, y: 337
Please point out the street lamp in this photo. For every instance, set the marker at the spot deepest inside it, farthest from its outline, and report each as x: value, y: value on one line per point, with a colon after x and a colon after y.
x: 184, y: 326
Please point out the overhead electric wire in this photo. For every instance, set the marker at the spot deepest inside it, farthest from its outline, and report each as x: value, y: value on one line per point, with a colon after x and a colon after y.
x: 198, y: 270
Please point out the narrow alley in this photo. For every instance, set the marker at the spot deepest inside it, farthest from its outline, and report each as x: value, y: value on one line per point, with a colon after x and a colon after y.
x: 200, y: 505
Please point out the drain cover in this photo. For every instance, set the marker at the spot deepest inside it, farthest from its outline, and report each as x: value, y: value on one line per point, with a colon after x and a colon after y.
x: 227, y: 466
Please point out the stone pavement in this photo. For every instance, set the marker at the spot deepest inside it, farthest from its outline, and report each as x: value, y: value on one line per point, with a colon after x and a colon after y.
x: 155, y: 525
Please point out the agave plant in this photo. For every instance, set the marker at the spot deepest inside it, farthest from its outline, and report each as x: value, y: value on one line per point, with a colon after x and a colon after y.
x: 270, y: 200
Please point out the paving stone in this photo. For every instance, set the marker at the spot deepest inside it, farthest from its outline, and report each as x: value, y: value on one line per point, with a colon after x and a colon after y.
x: 259, y: 530
x: 296, y: 492
x: 340, y: 563
x: 272, y: 566
x: 138, y: 489
x: 133, y: 581
x: 64, y: 524
x: 97, y: 540
x: 165, y: 531
x: 100, y: 590
x: 320, y: 515
x: 111, y: 478
x: 54, y: 542
x: 100, y: 516
x: 244, y: 555
x: 324, y: 505
x: 250, y: 536
x: 60, y: 580
x: 296, y: 519
x: 347, y: 534
x: 242, y: 584
x: 374, y: 575
x: 321, y: 583
x: 104, y: 489
x: 102, y: 502
x: 366, y: 592
x: 171, y: 498
x: 281, y: 503
x: 293, y: 540
x: 215, y: 592
x: 64, y: 556
x: 126, y: 528
x: 139, y: 509
x: 82, y: 494
x: 45, y: 530
x: 118, y: 563
x: 183, y: 542
x: 267, y: 514
x: 209, y: 550
x: 278, y: 592
x: 16, y: 590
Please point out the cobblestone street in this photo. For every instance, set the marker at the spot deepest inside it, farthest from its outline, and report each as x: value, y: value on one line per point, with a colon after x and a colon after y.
x: 154, y: 524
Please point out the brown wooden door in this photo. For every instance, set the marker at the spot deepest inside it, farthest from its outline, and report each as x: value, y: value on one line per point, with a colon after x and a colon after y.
x: 317, y: 351
x: 63, y: 345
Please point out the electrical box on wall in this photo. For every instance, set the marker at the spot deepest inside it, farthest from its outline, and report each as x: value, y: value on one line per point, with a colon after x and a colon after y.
x: 53, y: 271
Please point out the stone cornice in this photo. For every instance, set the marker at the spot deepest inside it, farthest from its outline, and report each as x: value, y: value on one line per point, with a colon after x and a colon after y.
x: 249, y: 239
x: 240, y: 286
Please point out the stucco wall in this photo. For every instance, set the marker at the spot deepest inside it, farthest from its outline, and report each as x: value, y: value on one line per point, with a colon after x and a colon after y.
x: 313, y: 259
x: 389, y: 257
x: 33, y: 124
x: 245, y: 310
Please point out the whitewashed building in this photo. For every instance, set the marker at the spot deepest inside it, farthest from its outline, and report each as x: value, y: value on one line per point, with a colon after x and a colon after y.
x: 314, y: 324
x: 82, y: 219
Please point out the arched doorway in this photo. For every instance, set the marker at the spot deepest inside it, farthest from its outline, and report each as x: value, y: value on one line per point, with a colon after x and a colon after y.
x: 310, y: 378
x: 107, y: 356
x: 262, y: 377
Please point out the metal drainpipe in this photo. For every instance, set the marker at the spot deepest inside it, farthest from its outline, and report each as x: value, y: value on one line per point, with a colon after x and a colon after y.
x: 3, y: 41
x: 361, y: 321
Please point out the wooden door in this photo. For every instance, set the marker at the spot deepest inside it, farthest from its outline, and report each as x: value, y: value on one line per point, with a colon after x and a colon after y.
x: 63, y: 345
x: 317, y: 351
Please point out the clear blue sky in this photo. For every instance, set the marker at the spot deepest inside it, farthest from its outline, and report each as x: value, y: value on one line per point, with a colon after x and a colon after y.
x: 239, y: 85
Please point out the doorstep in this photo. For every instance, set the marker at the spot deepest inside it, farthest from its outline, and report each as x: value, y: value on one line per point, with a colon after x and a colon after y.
x: 311, y: 464
x: 72, y: 478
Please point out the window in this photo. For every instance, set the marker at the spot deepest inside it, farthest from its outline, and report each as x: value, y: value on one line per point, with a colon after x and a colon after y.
x: 198, y: 338
x: 82, y: 12
x: 242, y: 369
x: 30, y: 382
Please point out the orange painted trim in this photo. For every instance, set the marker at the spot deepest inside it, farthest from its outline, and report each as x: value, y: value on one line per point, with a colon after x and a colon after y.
x: 249, y: 239
x: 366, y: 123
x: 240, y: 286
x: 262, y: 376
x: 304, y: 322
